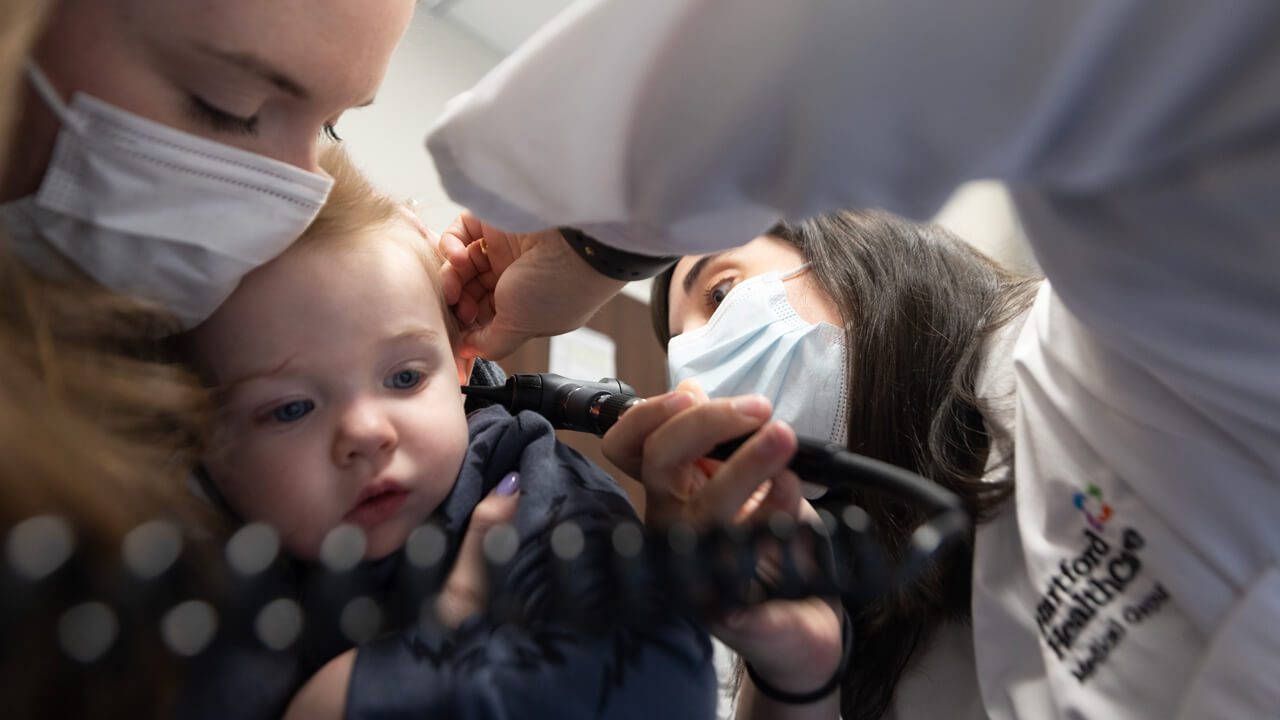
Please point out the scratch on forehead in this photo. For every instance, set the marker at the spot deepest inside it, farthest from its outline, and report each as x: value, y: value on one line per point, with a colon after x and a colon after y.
x: 259, y: 374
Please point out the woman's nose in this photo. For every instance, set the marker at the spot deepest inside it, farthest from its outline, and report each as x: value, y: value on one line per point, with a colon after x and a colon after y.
x: 295, y: 145
x: 364, y: 432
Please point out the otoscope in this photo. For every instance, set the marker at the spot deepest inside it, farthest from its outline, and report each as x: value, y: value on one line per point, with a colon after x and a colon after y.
x: 595, y: 406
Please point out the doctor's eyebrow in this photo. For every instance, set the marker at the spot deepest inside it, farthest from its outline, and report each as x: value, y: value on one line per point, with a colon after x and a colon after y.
x: 691, y: 278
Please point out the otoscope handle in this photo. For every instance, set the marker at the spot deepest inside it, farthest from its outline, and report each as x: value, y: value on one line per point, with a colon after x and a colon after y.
x: 568, y: 404
x: 594, y: 407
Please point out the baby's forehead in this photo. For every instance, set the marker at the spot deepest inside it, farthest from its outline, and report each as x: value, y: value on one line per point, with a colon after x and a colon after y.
x: 404, y: 232
x: 326, y: 291
x: 420, y: 254
x: 406, y: 235
x: 398, y: 238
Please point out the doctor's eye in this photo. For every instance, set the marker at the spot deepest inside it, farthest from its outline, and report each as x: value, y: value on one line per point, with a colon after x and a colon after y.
x: 292, y: 411
x: 330, y: 133
x: 716, y: 293
x: 404, y: 380
x: 220, y: 120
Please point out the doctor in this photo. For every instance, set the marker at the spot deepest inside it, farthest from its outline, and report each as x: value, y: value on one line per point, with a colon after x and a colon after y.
x: 891, y: 338
x: 1136, y: 572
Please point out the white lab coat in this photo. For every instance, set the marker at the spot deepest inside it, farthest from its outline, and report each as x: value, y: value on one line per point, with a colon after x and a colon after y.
x: 1140, y: 141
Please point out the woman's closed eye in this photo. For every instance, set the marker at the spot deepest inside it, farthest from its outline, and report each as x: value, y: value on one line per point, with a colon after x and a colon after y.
x: 220, y: 120
x: 404, y: 379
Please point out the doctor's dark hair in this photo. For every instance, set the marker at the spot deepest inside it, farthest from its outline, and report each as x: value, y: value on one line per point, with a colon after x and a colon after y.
x: 918, y: 306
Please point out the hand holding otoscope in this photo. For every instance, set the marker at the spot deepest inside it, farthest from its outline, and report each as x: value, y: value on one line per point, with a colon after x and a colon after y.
x: 595, y: 406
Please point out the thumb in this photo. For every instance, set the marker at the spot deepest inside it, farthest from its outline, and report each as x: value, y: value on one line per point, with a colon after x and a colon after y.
x: 491, y: 341
x: 466, y: 591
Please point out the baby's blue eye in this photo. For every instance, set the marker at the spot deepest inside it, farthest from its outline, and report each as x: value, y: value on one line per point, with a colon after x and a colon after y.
x: 292, y: 411
x: 404, y: 380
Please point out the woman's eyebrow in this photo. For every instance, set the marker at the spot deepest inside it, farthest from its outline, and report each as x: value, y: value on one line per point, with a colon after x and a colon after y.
x: 256, y: 65
x: 698, y: 266
x: 253, y: 64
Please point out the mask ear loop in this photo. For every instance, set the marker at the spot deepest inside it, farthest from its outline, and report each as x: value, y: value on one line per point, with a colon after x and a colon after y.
x: 793, y: 273
x: 40, y: 83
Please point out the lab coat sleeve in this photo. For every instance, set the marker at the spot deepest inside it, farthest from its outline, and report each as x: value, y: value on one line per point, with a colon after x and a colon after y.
x: 679, y: 126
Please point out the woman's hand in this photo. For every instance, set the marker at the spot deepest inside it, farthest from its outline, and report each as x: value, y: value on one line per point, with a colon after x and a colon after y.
x: 795, y: 645
x: 466, y: 591
x: 506, y: 288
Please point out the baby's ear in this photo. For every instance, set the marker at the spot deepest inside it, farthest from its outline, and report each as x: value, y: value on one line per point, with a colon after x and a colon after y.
x: 464, y: 368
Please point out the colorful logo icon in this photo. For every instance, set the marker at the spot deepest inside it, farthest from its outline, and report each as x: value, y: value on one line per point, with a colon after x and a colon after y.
x: 1095, y: 509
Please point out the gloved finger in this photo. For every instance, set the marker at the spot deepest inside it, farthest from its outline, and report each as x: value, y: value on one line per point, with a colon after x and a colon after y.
x: 466, y: 590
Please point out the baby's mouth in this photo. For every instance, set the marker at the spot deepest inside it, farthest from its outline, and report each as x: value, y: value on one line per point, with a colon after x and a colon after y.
x: 377, y: 503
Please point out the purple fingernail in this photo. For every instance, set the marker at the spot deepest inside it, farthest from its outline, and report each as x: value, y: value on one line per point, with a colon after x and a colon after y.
x: 509, y: 484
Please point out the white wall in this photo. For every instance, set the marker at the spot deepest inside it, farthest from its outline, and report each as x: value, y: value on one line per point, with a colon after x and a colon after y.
x: 982, y: 212
x: 435, y: 61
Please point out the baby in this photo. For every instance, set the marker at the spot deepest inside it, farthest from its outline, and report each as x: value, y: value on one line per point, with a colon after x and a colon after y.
x: 337, y: 377
x: 338, y: 386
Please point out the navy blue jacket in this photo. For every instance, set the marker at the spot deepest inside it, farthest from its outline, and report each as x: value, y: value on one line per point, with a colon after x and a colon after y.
x: 526, y: 657
x: 552, y: 644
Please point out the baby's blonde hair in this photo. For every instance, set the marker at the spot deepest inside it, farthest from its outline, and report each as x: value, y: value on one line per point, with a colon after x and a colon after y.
x: 355, y: 207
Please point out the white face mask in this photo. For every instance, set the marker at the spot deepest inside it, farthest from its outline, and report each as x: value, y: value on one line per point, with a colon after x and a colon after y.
x: 756, y: 343
x: 156, y: 213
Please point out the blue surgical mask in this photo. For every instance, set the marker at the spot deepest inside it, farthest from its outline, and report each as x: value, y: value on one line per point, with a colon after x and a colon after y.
x: 755, y: 342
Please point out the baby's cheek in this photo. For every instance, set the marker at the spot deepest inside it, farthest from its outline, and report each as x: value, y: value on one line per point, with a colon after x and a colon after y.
x: 260, y: 484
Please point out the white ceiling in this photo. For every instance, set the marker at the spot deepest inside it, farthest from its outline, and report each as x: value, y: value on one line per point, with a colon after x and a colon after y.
x: 501, y: 24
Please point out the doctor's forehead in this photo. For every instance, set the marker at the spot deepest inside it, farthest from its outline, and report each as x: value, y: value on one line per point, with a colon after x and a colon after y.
x: 760, y: 255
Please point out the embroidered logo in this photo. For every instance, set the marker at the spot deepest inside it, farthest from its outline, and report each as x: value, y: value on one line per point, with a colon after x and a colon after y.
x: 1098, y: 596
x: 1095, y: 509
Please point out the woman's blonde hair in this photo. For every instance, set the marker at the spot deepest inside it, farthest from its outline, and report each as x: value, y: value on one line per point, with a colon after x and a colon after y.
x: 94, y: 429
